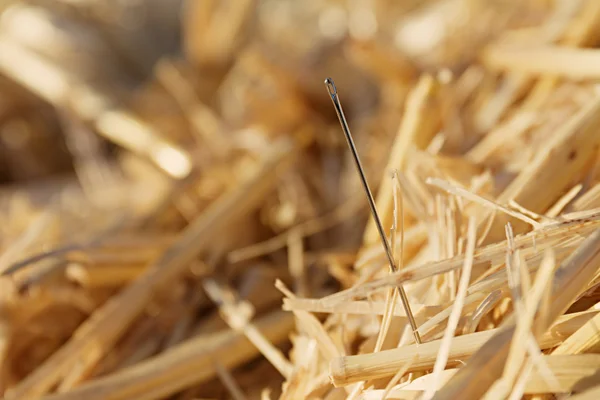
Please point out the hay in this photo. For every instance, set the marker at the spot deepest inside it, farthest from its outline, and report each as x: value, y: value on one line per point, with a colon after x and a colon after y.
x: 181, y: 217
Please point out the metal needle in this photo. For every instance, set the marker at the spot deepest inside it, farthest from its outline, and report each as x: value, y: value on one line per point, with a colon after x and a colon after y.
x: 340, y: 113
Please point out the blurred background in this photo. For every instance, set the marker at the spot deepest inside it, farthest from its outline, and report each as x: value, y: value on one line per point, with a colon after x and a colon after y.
x: 200, y: 71
x: 125, y: 124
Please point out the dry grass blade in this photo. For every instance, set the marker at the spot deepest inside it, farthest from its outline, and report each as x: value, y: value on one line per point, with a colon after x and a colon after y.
x: 577, y: 64
x: 63, y: 91
x: 354, y: 307
x: 571, y: 279
x: 392, y: 294
x: 525, y: 311
x: 350, y: 369
x: 312, y: 325
x: 238, y: 315
x: 542, y: 182
x: 590, y: 394
x: 545, y: 237
x: 229, y: 382
x: 585, y: 340
x: 108, y: 322
x: 305, y: 229
x: 188, y: 363
x: 417, y: 128
x: 446, y: 343
x: 569, y: 371
x: 473, y: 197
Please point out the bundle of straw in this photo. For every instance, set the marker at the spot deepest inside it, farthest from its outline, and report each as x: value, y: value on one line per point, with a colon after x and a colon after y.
x: 181, y: 217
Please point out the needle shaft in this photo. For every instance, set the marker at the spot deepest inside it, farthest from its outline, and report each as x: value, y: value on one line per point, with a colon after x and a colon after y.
x: 388, y: 251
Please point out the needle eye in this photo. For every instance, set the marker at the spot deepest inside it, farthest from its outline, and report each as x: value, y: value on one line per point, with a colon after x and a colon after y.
x: 330, y: 86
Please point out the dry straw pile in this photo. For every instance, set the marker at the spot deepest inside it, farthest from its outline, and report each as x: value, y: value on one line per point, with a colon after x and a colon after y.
x: 189, y: 224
